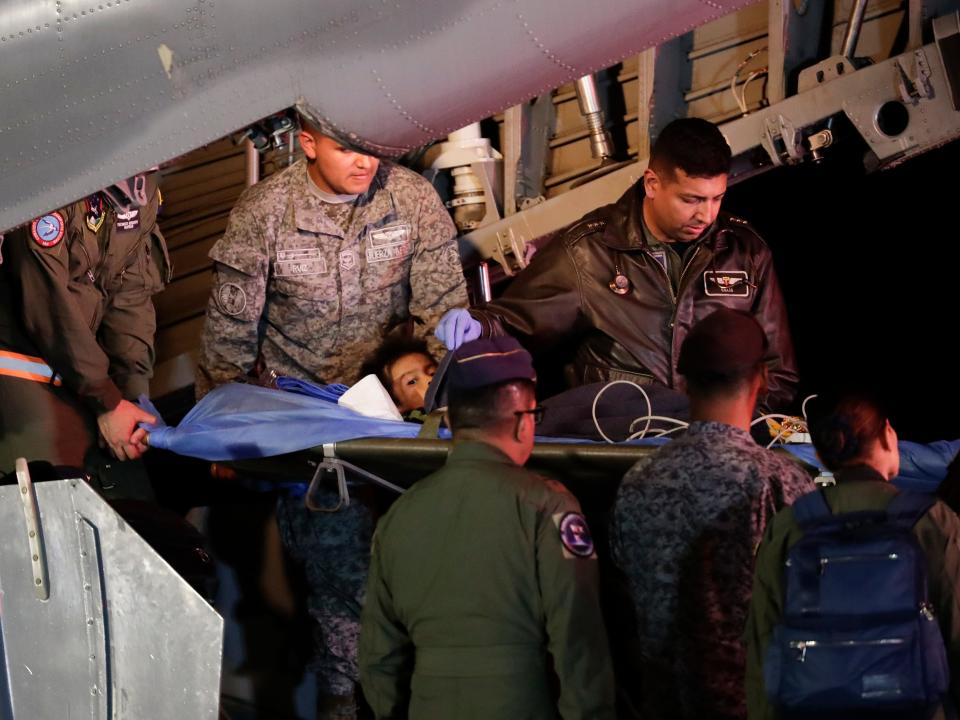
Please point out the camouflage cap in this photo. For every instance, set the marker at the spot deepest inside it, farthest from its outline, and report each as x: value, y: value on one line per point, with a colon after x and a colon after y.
x: 725, y: 342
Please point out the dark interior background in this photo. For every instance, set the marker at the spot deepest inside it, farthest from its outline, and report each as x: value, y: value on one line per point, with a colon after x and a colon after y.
x: 869, y: 266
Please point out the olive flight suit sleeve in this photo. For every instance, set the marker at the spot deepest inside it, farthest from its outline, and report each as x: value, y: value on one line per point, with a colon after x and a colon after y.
x: 542, y: 306
x: 939, y: 535
x: 386, y: 651
x: 436, y: 275
x: 53, y: 320
x: 577, y: 638
x: 129, y: 322
x: 766, y: 608
x: 231, y: 332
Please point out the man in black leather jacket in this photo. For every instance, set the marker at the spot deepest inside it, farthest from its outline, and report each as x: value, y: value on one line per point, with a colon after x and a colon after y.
x: 626, y: 282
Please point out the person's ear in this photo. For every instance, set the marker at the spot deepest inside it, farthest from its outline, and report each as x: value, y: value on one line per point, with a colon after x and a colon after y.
x: 651, y: 183
x: 309, y: 144
x: 888, y: 439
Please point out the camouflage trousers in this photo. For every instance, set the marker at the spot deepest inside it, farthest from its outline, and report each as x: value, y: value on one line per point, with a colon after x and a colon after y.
x: 334, y: 549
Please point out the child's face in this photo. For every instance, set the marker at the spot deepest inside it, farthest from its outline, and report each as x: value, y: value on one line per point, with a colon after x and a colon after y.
x: 410, y: 376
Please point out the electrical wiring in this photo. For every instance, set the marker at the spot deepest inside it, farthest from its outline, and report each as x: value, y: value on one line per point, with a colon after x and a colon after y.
x: 662, y: 433
x: 741, y: 99
x: 601, y: 391
x: 649, y: 417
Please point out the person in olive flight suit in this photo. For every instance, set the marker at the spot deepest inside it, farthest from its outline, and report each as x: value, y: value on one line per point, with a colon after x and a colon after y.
x: 76, y: 329
x: 483, y: 568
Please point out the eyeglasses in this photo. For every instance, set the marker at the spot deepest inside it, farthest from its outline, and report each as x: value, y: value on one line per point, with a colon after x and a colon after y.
x: 537, y: 412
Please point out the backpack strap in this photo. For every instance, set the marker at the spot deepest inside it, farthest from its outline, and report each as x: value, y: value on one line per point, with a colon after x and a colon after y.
x: 906, y: 508
x: 810, y: 509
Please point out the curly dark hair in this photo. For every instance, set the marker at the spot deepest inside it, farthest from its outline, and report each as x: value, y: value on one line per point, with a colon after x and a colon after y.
x: 390, y: 350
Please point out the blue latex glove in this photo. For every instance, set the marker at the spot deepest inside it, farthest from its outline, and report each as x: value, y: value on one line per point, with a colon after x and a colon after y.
x: 456, y: 327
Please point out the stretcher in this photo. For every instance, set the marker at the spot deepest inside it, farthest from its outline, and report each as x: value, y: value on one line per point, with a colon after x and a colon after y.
x: 296, y: 436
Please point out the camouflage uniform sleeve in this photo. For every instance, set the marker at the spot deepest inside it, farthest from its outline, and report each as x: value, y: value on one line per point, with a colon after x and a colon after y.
x: 129, y: 322
x: 436, y: 275
x: 386, y: 652
x: 231, y: 331
x: 619, y: 548
x: 577, y: 639
x: 54, y: 322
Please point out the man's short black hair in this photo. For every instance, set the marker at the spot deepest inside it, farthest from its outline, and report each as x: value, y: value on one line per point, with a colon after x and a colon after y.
x: 390, y: 350
x: 706, y: 384
x: 694, y: 145
x: 486, y: 407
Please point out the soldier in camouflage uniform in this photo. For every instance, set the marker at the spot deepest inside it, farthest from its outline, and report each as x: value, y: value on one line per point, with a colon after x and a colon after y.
x: 311, y: 274
x: 688, y: 520
x: 318, y: 263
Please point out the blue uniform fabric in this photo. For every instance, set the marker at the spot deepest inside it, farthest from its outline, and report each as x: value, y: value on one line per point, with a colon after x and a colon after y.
x: 334, y: 550
x: 686, y: 524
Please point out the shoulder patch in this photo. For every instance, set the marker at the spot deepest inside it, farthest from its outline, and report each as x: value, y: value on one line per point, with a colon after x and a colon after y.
x: 575, y: 535
x: 47, y: 230
x: 231, y: 299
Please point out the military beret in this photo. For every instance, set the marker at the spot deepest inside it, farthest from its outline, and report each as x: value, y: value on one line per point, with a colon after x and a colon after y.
x: 489, y: 361
x: 725, y: 342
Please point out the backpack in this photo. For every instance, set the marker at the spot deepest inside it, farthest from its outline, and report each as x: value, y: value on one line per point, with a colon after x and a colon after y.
x: 858, y: 636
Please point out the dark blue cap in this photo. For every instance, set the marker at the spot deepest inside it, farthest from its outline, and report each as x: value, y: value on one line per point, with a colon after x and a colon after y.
x: 725, y: 342
x: 489, y: 361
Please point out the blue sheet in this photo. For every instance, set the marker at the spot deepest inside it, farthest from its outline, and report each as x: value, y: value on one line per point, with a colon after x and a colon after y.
x: 239, y: 422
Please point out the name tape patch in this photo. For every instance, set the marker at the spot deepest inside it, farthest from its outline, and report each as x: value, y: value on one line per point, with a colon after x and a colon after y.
x: 298, y: 262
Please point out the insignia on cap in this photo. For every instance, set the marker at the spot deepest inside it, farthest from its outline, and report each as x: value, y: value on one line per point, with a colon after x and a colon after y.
x: 47, y: 230
x: 575, y: 535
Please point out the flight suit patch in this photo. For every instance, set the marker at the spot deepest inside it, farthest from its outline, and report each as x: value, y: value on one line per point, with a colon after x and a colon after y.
x: 95, y: 212
x: 231, y: 299
x: 726, y: 283
x: 298, y: 262
x: 129, y: 220
x: 48, y: 230
x: 388, y: 243
x: 574, y: 535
